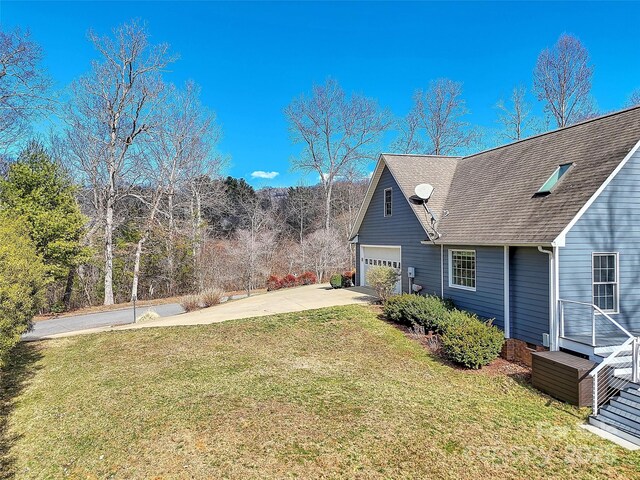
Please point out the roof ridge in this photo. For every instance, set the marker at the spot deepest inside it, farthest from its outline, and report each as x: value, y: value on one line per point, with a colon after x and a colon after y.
x: 555, y: 130
x: 426, y: 155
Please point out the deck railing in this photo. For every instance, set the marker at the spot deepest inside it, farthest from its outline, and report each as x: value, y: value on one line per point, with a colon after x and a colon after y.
x: 621, y: 364
x: 596, y: 327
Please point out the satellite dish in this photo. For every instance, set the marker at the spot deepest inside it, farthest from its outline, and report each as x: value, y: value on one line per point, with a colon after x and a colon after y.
x: 424, y: 191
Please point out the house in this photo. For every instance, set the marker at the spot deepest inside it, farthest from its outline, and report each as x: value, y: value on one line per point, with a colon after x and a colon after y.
x: 542, y: 235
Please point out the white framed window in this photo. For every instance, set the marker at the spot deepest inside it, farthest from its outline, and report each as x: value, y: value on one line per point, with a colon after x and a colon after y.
x: 387, y: 202
x: 462, y: 269
x: 605, y: 281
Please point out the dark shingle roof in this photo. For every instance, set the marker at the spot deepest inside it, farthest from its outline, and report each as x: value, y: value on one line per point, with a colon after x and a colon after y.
x: 491, y: 198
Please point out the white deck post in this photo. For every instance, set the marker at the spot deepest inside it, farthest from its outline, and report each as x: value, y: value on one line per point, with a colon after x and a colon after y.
x: 595, y: 395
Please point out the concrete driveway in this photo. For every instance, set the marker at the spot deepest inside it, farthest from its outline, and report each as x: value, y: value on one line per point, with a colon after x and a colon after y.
x: 281, y: 301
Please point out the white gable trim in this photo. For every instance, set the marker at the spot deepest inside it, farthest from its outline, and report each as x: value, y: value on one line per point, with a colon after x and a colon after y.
x: 375, y: 178
x: 560, y: 239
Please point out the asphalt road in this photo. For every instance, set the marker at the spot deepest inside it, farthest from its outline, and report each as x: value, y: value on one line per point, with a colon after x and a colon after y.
x: 74, y: 323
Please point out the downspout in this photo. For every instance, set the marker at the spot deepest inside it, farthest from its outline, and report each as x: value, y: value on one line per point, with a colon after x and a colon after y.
x: 553, y: 340
x: 441, y: 271
x: 506, y: 294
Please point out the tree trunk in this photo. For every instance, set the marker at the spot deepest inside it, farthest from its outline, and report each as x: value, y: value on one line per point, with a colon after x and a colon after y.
x: 170, y: 249
x: 196, y: 215
x: 328, y: 192
x: 143, y: 239
x: 108, y: 250
x: 66, y: 299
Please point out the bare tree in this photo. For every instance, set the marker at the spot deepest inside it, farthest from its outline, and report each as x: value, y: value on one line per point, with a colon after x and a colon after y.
x: 516, y: 120
x: 325, y: 255
x: 183, y: 152
x: 409, y: 140
x: 113, y: 107
x: 440, y: 111
x: 634, y: 98
x: 251, y: 253
x: 336, y: 133
x: 562, y: 79
x: 24, y: 86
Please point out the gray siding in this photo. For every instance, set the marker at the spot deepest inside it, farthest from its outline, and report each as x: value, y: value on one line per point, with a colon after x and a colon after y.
x: 611, y: 224
x: 529, y: 275
x: 488, y: 299
x: 401, y: 228
x: 529, y: 288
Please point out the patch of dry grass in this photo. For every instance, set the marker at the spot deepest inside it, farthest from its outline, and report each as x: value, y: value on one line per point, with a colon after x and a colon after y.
x: 330, y: 393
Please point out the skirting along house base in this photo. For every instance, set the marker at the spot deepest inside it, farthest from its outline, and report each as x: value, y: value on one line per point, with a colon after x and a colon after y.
x: 541, y: 235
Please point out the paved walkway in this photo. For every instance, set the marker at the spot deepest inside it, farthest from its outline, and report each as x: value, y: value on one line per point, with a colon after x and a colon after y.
x: 280, y: 301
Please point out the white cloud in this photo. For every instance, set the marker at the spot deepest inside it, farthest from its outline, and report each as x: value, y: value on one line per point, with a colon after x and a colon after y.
x: 262, y: 174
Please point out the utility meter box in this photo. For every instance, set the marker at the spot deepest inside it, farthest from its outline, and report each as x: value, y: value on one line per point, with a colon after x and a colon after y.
x: 411, y: 272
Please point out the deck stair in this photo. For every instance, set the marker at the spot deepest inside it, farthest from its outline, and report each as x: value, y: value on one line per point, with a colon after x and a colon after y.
x: 616, y: 378
x: 621, y: 415
x: 617, y: 391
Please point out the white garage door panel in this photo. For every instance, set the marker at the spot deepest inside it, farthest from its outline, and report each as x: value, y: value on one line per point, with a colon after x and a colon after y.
x: 373, y: 255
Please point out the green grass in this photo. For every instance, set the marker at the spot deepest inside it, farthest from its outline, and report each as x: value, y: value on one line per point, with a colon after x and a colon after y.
x: 332, y: 393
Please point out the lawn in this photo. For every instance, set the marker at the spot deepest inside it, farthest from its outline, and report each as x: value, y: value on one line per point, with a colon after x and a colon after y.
x: 332, y: 393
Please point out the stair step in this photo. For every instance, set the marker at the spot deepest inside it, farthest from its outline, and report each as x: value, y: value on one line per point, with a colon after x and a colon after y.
x: 631, y: 393
x: 611, y: 348
x: 625, y: 416
x: 619, y: 372
x: 628, y: 423
x: 621, y: 360
x: 625, y: 404
x: 615, y: 428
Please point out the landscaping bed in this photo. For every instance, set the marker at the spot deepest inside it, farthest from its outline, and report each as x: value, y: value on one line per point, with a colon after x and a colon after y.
x: 328, y: 393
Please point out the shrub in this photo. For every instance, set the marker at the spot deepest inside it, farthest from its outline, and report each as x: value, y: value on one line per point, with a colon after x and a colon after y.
x: 383, y: 280
x: 190, y: 302
x: 57, y: 307
x: 273, y: 283
x: 471, y: 342
x: 336, y: 280
x: 289, y: 281
x: 22, y: 281
x: 211, y: 297
x: 428, y: 312
x: 308, y: 278
x: 348, y: 279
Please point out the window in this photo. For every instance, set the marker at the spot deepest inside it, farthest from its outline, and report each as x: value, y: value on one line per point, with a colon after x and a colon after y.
x: 462, y: 269
x: 554, y: 178
x: 387, y: 202
x: 605, y: 281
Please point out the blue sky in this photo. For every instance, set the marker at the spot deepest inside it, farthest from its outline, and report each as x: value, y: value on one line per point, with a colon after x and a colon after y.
x: 252, y: 59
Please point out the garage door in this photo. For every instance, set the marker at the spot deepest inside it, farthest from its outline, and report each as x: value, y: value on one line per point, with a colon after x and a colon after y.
x: 375, y: 255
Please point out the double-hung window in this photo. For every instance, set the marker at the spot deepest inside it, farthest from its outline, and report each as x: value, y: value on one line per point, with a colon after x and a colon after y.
x: 387, y: 202
x: 462, y: 269
x: 605, y: 281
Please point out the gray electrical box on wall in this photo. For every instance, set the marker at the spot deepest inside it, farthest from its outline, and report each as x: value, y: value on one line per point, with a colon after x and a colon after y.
x: 411, y: 272
x: 545, y: 340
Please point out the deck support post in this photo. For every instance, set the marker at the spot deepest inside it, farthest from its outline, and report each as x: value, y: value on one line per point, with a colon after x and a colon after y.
x: 635, y: 358
x: 595, y: 395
